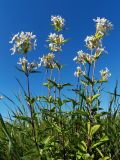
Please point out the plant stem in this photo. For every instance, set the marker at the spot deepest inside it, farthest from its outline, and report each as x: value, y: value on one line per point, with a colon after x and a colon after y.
x: 59, y: 73
x: 31, y: 107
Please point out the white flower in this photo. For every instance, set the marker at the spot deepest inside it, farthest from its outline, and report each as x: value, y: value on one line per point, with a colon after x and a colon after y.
x: 60, y: 39
x: 92, y: 42
x: 47, y: 60
x: 27, y: 66
x: 52, y: 37
x: 58, y: 22
x: 54, y: 47
x: 22, y: 61
x: 103, y: 24
x: 78, y: 72
x: 83, y: 58
x: 23, y: 42
x: 32, y: 66
x: 57, y: 39
x: 80, y: 58
x: 105, y: 74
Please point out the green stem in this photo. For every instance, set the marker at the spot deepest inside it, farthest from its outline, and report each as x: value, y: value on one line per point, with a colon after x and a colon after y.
x: 59, y: 73
x: 31, y: 107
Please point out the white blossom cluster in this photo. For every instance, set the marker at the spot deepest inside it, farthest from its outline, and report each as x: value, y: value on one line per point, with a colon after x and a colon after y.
x: 54, y: 47
x: 92, y: 42
x: 56, y: 38
x: 80, y: 58
x: 23, y: 42
x: 105, y: 74
x: 27, y: 66
x: 103, y: 25
x: 47, y: 60
x: 56, y: 42
x: 58, y: 22
x: 83, y: 58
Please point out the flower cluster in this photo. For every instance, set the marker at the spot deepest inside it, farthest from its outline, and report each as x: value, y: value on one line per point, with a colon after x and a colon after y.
x: 103, y: 25
x: 105, y: 74
x: 56, y: 42
x: 58, y: 22
x: 23, y: 42
x: 27, y: 66
x: 80, y: 58
x: 92, y: 42
x: 57, y: 39
x: 48, y: 61
x: 54, y: 47
x: 83, y: 58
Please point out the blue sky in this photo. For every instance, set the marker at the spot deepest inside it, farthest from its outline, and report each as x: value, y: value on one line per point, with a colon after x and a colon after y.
x: 34, y: 16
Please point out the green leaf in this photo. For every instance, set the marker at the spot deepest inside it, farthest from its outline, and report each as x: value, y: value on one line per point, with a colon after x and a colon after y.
x: 83, y: 146
x: 12, y: 142
x: 94, y: 129
x: 66, y: 84
x: 48, y: 85
x: 47, y: 140
x: 99, y: 151
x: 101, y: 141
x: 34, y: 71
x: 28, y: 119
x: 95, y: 97
x: 53, y: 83
x: 21, y: 70
x: 59, y: 66
x: 105, y: 158
x: 89, y: 80
x: 57, y: 128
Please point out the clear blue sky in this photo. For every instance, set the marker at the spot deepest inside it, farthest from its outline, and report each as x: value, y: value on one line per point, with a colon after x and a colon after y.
x: 34, y: 15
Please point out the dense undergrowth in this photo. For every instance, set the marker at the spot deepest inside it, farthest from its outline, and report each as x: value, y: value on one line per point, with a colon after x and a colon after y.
x: 41, y: 128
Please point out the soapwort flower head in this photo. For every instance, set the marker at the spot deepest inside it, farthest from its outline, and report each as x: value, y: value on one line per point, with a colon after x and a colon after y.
x: 83, y: 58
x: 54, y: 47
x: 57, y: 39
x: 27, y: 66
x: 105, y: 74
x: 48, y: 61
x: 23, y: 42
x: 58, y: 22
x: 80, y: 58
x: 103, y: 25
x: 32, y: 66
x: 92, y: 42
